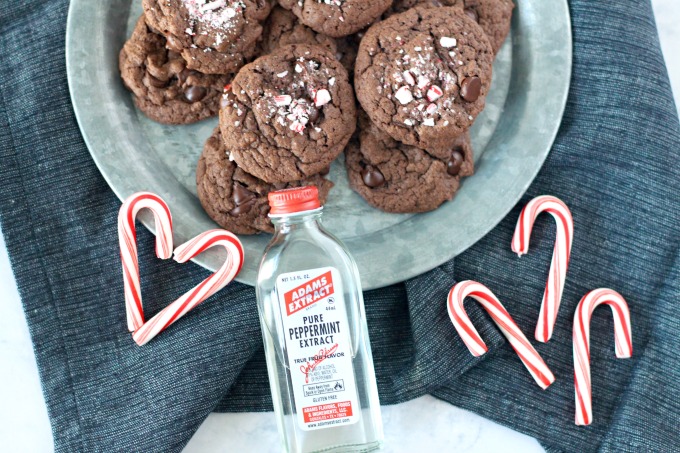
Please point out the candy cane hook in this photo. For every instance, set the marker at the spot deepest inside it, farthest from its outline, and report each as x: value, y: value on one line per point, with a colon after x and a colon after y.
x: 127, y: 239
x: 581, y: 337
x: 202, y: 291
x: 526, y: 352
x: 552, y: 295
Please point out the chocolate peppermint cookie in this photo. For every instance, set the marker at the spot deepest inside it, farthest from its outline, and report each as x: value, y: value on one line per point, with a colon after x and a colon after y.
x: 164, y: 89
x: 289, y: 114
x: 400, y: 178
x: 234, y: 199
x: 494, y: 16
x: 337, y: 18
x: 284, y: 28
x: 213, y: 36
x: 422, y: 76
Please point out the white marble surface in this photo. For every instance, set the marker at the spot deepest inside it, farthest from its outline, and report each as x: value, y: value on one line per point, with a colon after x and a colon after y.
x: 424, y: 424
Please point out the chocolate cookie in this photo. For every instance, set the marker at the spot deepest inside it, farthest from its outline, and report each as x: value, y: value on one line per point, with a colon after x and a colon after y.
x: 164, y: 89
x: 235, y: 199
x: 214, y: 37
x: 289, y: 114
x: 422, y: 76
x: 337, y: 18
x: 493, y: 16
x: 399, y: 178
x: 346, y: 50
x: 283, y: 28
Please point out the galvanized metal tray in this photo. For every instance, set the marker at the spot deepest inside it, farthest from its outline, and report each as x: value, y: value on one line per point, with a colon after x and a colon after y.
x: 511, y: 138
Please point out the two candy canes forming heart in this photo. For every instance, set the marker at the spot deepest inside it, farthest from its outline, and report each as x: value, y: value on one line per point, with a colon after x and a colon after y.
x: 143, y: 332
x: 552, y: 297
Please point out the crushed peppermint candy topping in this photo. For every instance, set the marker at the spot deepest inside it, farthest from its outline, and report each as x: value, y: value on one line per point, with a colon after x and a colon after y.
x: 215, y: 14
x: 434, y: 93
x: 294, y: 103
x: 408, y: 78
x: 322, y: 98
x: 282, y: 100
x: 297, y: 126
x: 404, y: 95
x: 447, y: 42
x: 422, y: 80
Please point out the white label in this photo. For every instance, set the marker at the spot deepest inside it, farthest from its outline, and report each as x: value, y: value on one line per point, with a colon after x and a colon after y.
x: 319, y: 348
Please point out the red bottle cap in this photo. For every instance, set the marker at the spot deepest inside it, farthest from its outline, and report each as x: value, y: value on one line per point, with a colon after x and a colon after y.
x: 296, y: 199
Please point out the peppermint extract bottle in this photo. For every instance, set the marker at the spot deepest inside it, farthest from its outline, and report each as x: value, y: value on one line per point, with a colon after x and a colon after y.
x: 315, y: 335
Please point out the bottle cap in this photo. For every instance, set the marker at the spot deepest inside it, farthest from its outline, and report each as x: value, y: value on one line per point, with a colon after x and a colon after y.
x: 296, y: 199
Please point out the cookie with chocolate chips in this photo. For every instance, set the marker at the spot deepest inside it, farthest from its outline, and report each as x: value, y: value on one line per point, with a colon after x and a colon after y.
x: 234, y: 199
x: 422, y: 76
x: 164, y: 89
x: 494, y: 16
x: 213, y: 36
x: 400, y: 178
x: 289, y: 114
x: 337, y: 18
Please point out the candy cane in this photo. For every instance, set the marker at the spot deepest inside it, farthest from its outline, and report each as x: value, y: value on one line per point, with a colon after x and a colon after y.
x: 202, y: 291
x: 526, y: 352
x: 622, y: 337
x: 127, y: 239
x: 552, y: 295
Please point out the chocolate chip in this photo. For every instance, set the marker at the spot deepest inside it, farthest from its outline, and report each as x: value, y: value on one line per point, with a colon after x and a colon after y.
x: 472, y: 14
x: 372, y: 177
x: 241, y: 209
x: 241, y: 195
x: 195, y: 94
x: 313, y: 115
x: 470, y: 88
x: 185, y: 74
x: 455, y: 163
x: 325, y: 171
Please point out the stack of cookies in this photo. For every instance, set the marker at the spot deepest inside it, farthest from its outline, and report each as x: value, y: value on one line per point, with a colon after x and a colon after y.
x: 279, y: 77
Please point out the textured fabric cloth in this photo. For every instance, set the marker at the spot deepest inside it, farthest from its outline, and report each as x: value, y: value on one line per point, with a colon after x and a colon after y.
x: 614, y: 163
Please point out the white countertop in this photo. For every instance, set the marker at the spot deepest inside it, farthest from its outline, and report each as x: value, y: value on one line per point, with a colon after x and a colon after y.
x: 424, y: 424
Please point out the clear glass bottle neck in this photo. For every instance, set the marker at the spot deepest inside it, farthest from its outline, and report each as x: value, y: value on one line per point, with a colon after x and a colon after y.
x: 299, y: 220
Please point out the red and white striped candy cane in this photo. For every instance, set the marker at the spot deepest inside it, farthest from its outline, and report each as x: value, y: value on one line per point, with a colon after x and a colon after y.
x: 622, y: 336
x: 202, y: 291
x: 526, y: 352
x: 127, y: 238
x: 552, y: 295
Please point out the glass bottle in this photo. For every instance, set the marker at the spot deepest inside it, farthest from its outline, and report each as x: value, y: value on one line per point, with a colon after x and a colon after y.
x: 315, y: 335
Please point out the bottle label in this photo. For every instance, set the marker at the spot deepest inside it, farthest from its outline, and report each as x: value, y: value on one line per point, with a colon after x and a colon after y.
x: 318, y: 343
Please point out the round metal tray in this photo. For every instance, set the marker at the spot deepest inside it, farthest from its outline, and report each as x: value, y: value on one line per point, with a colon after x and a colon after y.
x: 511, y: 139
